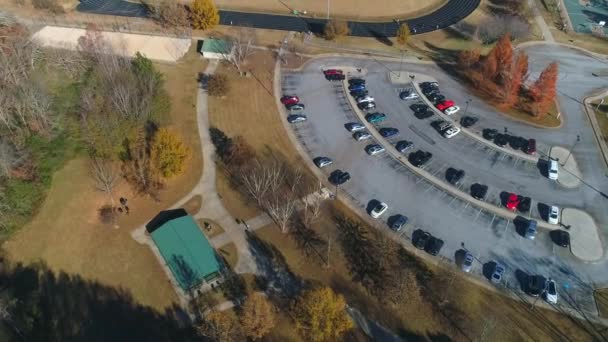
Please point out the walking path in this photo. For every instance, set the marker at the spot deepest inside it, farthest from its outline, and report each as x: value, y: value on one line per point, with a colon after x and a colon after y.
x: 540, y: 21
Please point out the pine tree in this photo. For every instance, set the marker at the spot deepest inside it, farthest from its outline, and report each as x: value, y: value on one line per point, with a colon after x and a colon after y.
x: 204, y: 15
x: 544, y: 89
x: 518, y: 75
x: 503, y: 52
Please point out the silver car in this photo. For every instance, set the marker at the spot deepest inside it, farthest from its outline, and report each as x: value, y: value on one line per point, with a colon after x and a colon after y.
x: 467, y: 263
x: 354, y: 127
x: 374, y: 149
x: 499, y: 270
x: 360, y: 136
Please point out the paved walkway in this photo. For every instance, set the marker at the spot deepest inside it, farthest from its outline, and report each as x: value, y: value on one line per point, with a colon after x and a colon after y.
x: 569, y: 174
x: 585, y: 241
x: 540, y: 21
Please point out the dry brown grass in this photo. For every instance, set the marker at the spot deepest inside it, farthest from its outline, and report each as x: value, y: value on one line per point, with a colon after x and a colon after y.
x: 601, y: 115
x: 214, y: 228
x: 601, y: 298
x: 193, y: 205
x: 229, y: 253
x: 66, y: 233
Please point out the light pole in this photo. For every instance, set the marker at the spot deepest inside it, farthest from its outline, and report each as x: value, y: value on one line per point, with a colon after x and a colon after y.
x: 578, y: 138
x: 466, y: 108
x: 328, y: 1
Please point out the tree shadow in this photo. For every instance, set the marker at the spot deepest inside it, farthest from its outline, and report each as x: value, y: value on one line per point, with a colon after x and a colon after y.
x: 64, y: 307
x: 185, y: 275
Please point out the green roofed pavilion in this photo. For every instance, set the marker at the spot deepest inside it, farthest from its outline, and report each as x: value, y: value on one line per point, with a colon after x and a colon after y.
x: 186, y: 251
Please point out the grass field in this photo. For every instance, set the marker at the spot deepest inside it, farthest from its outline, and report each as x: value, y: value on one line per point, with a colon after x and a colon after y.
x: 66, y: 233
x: 355, y: 9
x: 601, y: 298
x: 601, y: 114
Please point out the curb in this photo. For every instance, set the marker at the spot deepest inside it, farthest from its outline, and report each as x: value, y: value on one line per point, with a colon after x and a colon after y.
x: 595, y: 124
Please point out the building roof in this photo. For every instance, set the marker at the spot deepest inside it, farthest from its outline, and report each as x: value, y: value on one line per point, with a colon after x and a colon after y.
x: 186, y: 251
x: 216, y: 46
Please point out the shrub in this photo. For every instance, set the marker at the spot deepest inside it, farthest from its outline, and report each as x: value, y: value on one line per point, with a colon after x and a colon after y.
x: 336, y: 28
x: 50, y: 5
x: 490, y: 30
x: 168, y: 153
x: 218, y: 85
x: 203, y: 14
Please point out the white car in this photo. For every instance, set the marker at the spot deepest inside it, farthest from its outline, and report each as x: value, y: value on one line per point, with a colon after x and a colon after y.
x: 450, y: 132
x: 553, y: 215
x: 360, y: 136
x: 379, y: 209
x: 551, y: 292
x: 451, y: 110
x: 354, y: 127
x: 374, y: 149
x: 296, y: 118
x: 365, y: 99
x: 553, y: 169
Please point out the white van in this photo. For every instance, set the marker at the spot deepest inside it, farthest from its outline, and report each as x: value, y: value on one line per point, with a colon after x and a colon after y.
x: 553, y: 169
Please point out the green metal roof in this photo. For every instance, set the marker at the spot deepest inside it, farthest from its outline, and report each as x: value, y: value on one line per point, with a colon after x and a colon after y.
x: 186, y: 251
x: 216, y: 46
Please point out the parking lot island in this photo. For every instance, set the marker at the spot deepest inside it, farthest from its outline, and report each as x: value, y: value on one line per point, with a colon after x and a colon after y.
x: 585, y: 243
x: 570, y: 175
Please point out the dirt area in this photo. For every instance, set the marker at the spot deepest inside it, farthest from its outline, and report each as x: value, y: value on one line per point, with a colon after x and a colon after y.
x: 503, y: 319
x: 193, y: 205
x: 66, y: 233
x: 213, y: 229
x: 355, y: 9
x: 229, y: 253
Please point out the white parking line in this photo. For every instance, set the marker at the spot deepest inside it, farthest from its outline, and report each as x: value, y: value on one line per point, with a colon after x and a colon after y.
x: 506, y: 226
x: 493, y: 218
x: 476, y: 217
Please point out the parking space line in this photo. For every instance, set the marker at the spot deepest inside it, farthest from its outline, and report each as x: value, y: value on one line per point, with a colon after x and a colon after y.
x: 506, y: 226
x: 476, y: 217
x: 493, y: 218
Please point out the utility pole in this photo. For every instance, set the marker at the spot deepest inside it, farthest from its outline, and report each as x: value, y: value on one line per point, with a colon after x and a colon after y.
x: 578, y: 138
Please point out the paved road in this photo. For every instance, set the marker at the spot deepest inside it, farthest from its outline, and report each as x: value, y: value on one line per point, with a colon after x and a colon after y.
x: 452, y: 12
x: 487, y: 236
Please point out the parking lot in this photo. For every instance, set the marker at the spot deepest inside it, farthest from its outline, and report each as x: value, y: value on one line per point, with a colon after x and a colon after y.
x: 383, y: 178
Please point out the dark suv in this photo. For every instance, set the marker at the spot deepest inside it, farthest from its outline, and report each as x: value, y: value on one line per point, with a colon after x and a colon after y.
x: 339, y: 177
x: 536, y: 285
x: 434, y: 245
x: 419, y: 158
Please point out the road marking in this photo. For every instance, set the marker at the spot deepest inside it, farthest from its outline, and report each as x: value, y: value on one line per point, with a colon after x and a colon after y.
x: 506, y: 226
x: 476, y: 217
x: 493, y: 218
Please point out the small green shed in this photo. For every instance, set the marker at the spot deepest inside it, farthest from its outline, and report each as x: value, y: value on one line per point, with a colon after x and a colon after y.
x: 213, y: 48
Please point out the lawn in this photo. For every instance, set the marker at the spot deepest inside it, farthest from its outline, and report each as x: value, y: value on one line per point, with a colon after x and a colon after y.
x: 601, y: 114
x: 601, y: 298
x: 66, y: 233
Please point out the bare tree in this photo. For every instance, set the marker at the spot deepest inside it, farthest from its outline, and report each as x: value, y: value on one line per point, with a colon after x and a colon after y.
x: 312, y: 204
x: 242, y: 42
x: 262, y: 180
x: 8, y: 158
x: 281, y: 208
x: 106, y: 175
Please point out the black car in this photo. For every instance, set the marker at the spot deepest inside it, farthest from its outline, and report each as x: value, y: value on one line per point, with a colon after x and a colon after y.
x: 453, y: 176
x: 295, y: 106
x: 398, y: 222
x: 388, y: 132
x: 440, y: 125
x: 419, y: 107
x: 404, y: 145
x: 436, y: 98
x: 501, y: 139
x: 424, y: 114
x: 516, y: 142
x: 536, y: 285
x: 339, y: 177
x: 524, y: 204
x: 335, y: 77
x: 489, y: 133
x: 367, y: 105
x: 419, y: 158
x: 429, y: 85
x: 468, y: 121
x: 479, y: 191
x: 357, y: 93
x: 560, y: 237
x: 434, y: 245
x: 356, y: 81
x: 420, y: 238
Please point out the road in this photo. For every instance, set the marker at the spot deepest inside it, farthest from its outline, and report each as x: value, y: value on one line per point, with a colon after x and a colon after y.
x: 452, y: 12
x: 455, y: 221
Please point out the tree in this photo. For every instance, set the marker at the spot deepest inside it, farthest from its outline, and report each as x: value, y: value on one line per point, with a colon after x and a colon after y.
x: 544, y: 89
x: 137, y: 167
x: 168, y: 153
x: 503, y: 52
x: 218, y: 85
x: 403, y: 34
x: 220, y: 326
x: 204, y: 15
x: 242, y: 42
x: 518, y: 75
x: 489, y: 67
x: 468, y: 59
x: 171, y: 14
x: 336, y: 28
x: 106, y: 176
x: 320, y: 315
x: 258, y: 316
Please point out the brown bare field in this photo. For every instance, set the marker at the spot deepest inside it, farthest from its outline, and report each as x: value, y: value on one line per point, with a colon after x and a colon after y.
x: 229, y: 253
x: 193, y: 205
x: 352, y: 9
x: 66, y: 233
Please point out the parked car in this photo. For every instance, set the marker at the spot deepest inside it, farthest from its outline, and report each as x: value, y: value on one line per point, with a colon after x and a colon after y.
x: 489, y: 133
x: 335, y: 77
x: 453, y: 176
x: 296, y: 118
x: 530, y: 229
x: 419, y: 158
x: 295, y: 106
x: 374, y: 149
x: 561, y: 237
x: 323, y: 161
x: 404, y: 145
x: 360, y: 136
x: 333, y: 72
x: 429, y: 91
x: 468, y: 121
x: 467, y: 262
x: 550, y: 294
x: 388, y: 132
x: 375, y: 117
x: 352, y: 81
x: 444, y: 104
x: 367, y: 105
x: 429, y: 85
x: 357, y: 93
x: 531, y: 147
x: 524, y: 204
x: 512, y: 201
x: 408, y: 95
x: 553, y: 169
x: 356, y: 86
x: 420, y: 238
x: 451, y: 132
x: 440, y: 125
x: 436, y: 97
x: 516, y: 143
x: 424, y: 114
x: 433, y: 247
x: 339, y: 177
x: 379, y: 209
x: 354, y: 127
x: 536, y: 285
x: 479, y: 191
x: 501, y: 139
x: 289, y: 99
x: 499, y: 270
x: 365, y: 98
x: 419, y: 107
x: 451, y: 110
x: 398, y: 222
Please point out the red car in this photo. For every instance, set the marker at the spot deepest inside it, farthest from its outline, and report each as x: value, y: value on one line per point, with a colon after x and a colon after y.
x: 512, y: 202
x: 531, y: 148
x: 329, y: 72
x: 290, y: 99
x: 444, y: 105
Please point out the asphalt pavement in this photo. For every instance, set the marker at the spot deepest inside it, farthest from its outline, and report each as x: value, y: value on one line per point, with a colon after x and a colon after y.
x: 450, y: 13
x: 380, y: 177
